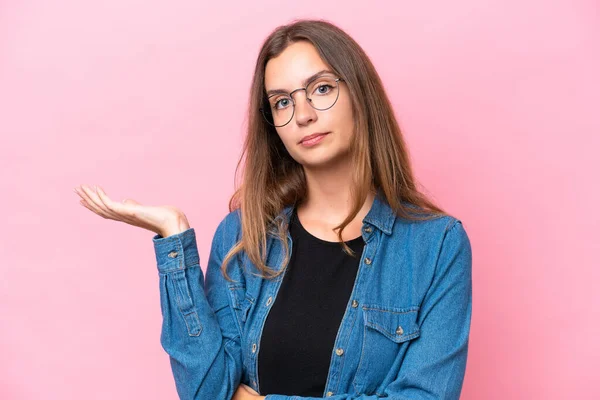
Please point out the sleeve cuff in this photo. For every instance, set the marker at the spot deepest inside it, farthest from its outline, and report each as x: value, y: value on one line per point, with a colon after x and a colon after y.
x: 177, y: 251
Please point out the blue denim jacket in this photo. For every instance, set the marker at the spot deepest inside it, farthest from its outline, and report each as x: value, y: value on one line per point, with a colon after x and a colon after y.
x: 404, y: 334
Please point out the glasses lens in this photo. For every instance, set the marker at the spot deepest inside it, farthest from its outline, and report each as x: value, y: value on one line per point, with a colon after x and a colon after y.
x: 323, y: 92
x: 279, y: 110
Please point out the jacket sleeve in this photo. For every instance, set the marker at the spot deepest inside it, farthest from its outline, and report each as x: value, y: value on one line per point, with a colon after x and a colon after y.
x: 199, y: 331
x: 434, y: 366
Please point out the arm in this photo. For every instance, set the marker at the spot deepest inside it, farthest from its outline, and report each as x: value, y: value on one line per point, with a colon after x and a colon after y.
x: 434, y: 366
x: 199, y: 332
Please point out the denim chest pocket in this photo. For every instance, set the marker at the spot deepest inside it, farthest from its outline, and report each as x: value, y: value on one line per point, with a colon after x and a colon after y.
x: 386, y: 330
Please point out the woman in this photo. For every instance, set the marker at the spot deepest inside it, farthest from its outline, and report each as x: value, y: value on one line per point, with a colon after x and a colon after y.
x: 365, y: 282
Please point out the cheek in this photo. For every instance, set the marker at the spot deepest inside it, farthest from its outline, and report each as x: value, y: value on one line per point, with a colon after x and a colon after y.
x: 287, y: 139
x: 344, y: 120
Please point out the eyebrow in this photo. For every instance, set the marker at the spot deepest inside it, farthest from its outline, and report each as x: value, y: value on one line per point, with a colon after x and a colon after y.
x: 304, y: 82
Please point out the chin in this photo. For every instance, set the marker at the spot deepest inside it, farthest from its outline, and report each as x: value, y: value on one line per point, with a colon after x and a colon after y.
x: 321, y: 160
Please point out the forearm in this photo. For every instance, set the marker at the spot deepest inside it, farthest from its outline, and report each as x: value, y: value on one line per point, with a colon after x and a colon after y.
x: 206, y: 362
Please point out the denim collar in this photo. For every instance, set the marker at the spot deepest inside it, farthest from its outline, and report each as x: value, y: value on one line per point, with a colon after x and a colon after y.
x: 380, y: 215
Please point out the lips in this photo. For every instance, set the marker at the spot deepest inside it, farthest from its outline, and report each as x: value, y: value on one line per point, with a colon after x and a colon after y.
x: 312, y: 136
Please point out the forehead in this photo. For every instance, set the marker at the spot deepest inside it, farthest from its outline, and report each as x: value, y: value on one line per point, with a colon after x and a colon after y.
x: 297, y: 62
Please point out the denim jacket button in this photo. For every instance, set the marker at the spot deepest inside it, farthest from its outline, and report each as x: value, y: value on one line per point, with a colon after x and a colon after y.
x: 173, y: 254
x: 367, y: 261
x: 339, y: 351
x: 368, y: 229
x: 354, y: 303
x: 329, y: 394
x: 269, y: 300
x: 254, y: 347
x: 399, y: 330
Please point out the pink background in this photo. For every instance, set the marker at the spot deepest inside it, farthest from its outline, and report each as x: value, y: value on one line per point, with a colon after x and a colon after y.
x: 499, y: 101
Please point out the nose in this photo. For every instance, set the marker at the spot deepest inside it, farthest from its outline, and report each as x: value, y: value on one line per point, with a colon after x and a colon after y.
x: 304, y: 112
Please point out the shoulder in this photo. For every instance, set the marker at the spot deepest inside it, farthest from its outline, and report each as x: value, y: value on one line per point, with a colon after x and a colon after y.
x: 435, y: 224
x: 437, y: 247
x: 232, y: 219
x: 229, y: 228
x: 433, y: 234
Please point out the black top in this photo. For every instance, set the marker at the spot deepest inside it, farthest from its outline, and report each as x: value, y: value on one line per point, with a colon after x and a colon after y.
x: 299, y: 333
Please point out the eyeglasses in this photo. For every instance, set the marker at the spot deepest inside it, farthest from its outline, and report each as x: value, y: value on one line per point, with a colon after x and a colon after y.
x: 321, y: 93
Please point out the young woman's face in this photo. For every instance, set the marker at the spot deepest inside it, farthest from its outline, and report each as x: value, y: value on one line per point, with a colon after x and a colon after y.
x: 288, y: 71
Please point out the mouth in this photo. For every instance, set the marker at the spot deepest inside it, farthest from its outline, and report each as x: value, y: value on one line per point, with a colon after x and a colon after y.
x: 314, y: 135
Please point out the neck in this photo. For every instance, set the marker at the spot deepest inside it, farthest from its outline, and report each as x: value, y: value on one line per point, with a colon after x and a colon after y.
x: 329, y: 194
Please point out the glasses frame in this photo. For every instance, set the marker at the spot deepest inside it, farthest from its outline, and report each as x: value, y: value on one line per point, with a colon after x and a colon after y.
x: 290, y: 95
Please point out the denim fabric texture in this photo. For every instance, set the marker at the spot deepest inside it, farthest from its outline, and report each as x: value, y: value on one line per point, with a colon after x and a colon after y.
x: 404, y: 334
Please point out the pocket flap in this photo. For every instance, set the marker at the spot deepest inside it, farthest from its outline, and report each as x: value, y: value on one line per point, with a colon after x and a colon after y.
x: 241, y: 300
x: 397, y: 324
x: 246, y: 305
x: 237, y: 295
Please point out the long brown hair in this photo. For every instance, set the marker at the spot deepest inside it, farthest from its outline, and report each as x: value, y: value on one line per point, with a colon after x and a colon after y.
x: 272, y: 179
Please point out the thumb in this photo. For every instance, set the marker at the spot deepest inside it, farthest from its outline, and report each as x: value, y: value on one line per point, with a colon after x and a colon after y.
x: 129, y: 201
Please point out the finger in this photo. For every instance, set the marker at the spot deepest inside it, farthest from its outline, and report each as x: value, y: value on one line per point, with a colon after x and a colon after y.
x: 116, y: 206
x: 86, y: 205
x: 126, y: 209
x: 93, y: 197
x: 111, y: 206
x: 79, y: 192
x: 130, y: 201
x: 94, y: 202
x: 90, y: 204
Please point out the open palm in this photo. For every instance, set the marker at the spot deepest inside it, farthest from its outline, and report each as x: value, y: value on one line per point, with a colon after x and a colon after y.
x: 158, y: 219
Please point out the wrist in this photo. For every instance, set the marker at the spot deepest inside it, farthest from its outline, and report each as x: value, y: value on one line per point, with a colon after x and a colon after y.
x: 176, y: 225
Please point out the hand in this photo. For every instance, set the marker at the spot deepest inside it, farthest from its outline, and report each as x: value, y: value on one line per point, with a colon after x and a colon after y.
x: 163, y: 220
x: 244, y: 392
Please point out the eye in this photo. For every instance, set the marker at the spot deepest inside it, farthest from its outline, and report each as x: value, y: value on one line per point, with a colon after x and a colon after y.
x: 284, y: 102
x: 323, y: 88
